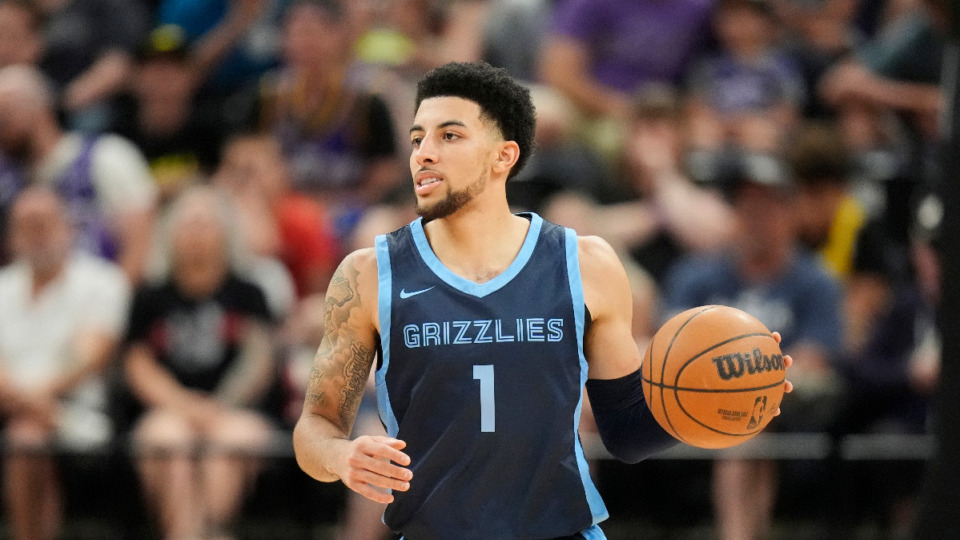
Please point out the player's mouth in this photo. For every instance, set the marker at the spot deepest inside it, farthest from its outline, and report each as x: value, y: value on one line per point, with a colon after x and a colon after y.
x: 427, y: 182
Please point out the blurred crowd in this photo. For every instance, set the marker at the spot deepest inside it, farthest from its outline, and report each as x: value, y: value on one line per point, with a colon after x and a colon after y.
x: 180, y: 178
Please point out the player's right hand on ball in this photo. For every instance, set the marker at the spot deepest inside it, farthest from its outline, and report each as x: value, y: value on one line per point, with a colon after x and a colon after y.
x: 374, y: 464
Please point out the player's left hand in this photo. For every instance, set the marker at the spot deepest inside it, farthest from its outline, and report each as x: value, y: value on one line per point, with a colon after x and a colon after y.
x: 787, y: 362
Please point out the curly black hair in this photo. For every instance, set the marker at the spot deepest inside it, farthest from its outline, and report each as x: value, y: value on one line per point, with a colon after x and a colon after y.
x: 501, y: 99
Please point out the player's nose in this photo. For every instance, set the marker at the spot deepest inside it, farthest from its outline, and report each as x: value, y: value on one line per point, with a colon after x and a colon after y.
x: 426, y: 152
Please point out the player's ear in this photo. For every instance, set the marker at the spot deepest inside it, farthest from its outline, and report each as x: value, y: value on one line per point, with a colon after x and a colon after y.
x: 507, y: 156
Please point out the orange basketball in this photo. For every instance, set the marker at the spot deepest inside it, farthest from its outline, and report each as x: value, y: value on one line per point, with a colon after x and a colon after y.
x: 713, y: 376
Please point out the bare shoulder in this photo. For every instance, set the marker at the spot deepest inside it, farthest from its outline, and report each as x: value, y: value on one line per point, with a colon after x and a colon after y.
x: 363, y: 259
x: 605, y: 283
x: 597, y: 259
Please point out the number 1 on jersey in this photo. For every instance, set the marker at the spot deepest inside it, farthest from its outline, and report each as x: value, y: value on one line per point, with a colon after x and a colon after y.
x: 484, y: 373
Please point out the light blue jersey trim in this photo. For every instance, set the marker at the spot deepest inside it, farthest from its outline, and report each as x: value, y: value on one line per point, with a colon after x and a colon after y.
x: 597, y: 509
x: 593, y: 533
x: 384, y: 300
x: 471, y: 287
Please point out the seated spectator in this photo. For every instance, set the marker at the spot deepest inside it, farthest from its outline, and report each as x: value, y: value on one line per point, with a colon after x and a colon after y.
x: 893, y: 77
x: 833, y: 223
x: 340, y: 142
x: 104, y: 179
x: 416, y: 36
x: 893, y: 374
x: 21, y: 40
x: 199, y: 361
x: 598, y: 52
x: 748, y: 94
x: 663, y: 214
x: 766, y: 274
x: 669, y: 212
x: 817, y: 35
x: 891, y: 378
x: 87, y: 53
x: 159, y: 115
x: 829, y: 215
x: 276, y: 221
x: 62, y: 315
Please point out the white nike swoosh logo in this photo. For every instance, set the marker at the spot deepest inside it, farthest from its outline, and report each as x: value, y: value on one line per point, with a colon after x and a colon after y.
x: 405, y: 294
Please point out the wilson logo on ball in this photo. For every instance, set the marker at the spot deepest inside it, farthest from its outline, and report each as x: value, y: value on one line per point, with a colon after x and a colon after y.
x: 734, y: 365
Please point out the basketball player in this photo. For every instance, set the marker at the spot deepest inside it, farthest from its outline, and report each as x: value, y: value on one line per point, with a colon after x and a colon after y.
x: 487, y: 325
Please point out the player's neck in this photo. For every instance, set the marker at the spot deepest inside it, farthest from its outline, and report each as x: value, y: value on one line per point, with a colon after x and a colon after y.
x: 478, y: 243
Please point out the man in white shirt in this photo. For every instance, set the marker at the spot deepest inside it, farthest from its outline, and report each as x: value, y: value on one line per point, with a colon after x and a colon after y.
x: 62, y: 314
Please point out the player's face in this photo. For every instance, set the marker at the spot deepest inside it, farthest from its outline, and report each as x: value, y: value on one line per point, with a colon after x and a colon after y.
x: 452, y: 151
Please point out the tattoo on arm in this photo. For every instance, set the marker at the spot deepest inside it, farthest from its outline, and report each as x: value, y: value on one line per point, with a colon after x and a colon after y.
x: 343, y: 361
x: 338, y: 294
x: 313, y: 383
x: 355, y: 375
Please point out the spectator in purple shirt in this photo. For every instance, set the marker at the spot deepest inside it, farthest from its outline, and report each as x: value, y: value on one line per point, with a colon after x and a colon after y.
x: 599, y: 51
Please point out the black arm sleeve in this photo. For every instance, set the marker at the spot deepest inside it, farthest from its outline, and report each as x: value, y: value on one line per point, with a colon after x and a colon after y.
x: 627, y: 427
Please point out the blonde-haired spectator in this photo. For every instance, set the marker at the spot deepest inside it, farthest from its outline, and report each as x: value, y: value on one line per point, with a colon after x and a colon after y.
x: 200, y: 361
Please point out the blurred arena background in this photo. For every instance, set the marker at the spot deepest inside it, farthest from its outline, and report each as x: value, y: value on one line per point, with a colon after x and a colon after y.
x: 205, y: 165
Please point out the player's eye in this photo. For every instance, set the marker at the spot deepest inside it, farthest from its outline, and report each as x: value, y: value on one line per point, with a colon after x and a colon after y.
x: 449, y: 136
x: 415, y: 141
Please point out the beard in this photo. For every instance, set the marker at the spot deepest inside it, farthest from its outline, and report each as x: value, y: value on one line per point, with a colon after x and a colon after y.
x: 452, y: 202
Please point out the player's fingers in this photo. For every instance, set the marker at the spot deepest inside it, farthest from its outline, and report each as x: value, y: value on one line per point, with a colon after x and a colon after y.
x: 389, y: 441
x: 361, y: 476
x: 777, y: 412
x: 381, y: 467
x: 787, y: 361
x: 371, y: 493
x: 387, y: 449
x: 390, y: 453
x: 777, y: 337
x: 787, y: 387
x: 374, y: 441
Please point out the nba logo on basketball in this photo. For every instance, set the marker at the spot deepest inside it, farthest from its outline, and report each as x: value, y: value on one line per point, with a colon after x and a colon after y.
x: 759, y: 406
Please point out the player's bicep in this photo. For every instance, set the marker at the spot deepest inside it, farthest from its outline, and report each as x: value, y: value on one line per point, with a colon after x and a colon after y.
x: 346, y: 353
x: 608, y: 345
x: 610, y: 349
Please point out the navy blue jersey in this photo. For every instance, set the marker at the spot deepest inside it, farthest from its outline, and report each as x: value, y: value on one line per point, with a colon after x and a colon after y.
x: 484, y: 382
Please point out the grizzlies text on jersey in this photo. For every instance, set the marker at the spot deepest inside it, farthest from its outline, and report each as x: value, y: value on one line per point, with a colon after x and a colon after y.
x: 484, y: 383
